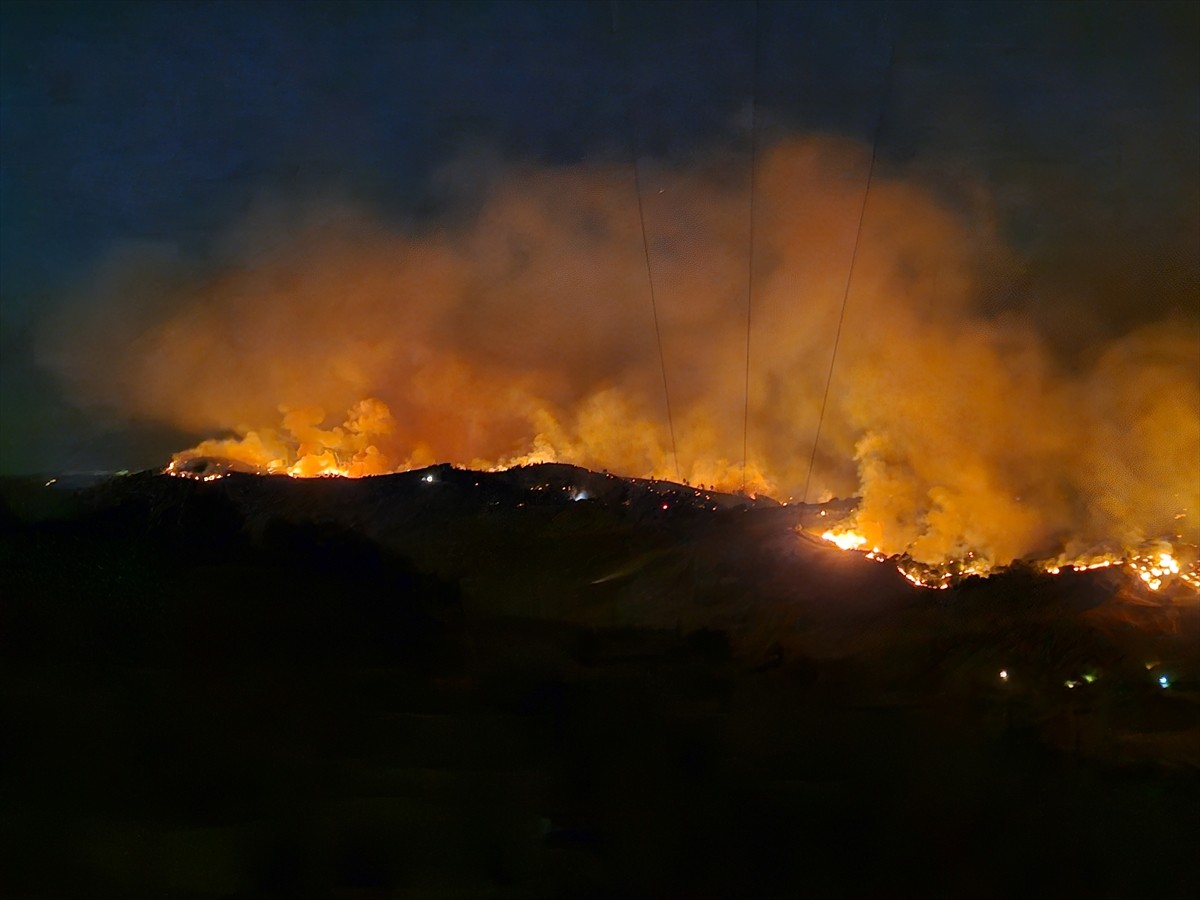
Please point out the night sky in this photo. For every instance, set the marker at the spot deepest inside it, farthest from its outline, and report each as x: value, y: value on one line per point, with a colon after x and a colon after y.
x: 164, y: 123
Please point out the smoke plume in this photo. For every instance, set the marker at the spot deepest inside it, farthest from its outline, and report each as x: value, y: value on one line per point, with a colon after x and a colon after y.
x: 317, y: 336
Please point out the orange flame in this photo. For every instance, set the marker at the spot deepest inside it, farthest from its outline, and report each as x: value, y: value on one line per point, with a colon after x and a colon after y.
x: 1155, y: 567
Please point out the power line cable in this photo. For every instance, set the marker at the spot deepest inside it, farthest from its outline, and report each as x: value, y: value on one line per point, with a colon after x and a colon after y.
x: 887, y: 80
x: 750, y: 253
x: 637, y: 184
x: 662, y: 360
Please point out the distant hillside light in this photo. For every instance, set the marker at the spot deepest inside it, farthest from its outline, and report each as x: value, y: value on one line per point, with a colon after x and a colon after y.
x: 1164, y: 681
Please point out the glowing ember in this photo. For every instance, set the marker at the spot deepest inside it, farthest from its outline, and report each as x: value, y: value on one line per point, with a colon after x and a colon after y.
x: 1155, y: 569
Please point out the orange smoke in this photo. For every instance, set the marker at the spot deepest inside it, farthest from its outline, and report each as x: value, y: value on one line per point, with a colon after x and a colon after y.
x: 525, y: 335
x: 303, y: 449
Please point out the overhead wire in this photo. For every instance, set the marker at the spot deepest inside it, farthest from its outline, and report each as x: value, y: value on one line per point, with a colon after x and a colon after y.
x: 750, y: 252
x: 637, y: 184
x: 837, y: 337
x: 662, y: 359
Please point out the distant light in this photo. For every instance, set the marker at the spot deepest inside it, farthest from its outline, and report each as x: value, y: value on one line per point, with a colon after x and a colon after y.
x: 1004, y: 674
x: 1089, y: 677
x: 1164, y: 681
x: 428, y: 479
x: 664, y: 506
x: 51, y: 481
x: 1071, y: 684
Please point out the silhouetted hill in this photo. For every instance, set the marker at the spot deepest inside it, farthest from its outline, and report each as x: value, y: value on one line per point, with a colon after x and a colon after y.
x: 555, y: 682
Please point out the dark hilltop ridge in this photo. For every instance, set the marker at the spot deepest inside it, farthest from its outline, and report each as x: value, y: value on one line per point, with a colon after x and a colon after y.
x: 551, y: 682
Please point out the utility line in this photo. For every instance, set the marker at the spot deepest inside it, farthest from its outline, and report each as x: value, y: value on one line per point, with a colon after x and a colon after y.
x: 637, y: 184
x: 662, y: 360
x: 887, y: 79
x: 750, y: 253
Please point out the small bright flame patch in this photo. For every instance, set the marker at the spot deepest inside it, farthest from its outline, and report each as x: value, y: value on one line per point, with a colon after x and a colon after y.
x: 847, y: 540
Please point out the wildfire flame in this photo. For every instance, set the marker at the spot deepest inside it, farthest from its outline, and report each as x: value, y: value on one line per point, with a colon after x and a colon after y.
x: 972, y: 432
x: 301, y: 448
x: 847, y: 540
x: 364, y: 444
x: 1155, y: 568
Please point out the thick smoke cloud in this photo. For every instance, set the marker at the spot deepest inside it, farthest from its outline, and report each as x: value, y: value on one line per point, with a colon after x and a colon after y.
x: 526, y: 333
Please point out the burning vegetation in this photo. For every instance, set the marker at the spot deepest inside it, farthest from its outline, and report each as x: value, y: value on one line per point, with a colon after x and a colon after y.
x: 1156, y: 565
x: 301, y: 447
x: 516, y: 329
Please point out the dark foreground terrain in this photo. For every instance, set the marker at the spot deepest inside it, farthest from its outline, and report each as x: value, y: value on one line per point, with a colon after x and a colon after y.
x: 554, y: 683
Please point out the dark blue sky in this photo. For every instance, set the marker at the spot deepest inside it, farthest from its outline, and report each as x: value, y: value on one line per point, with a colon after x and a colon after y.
x: 164, y: 121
